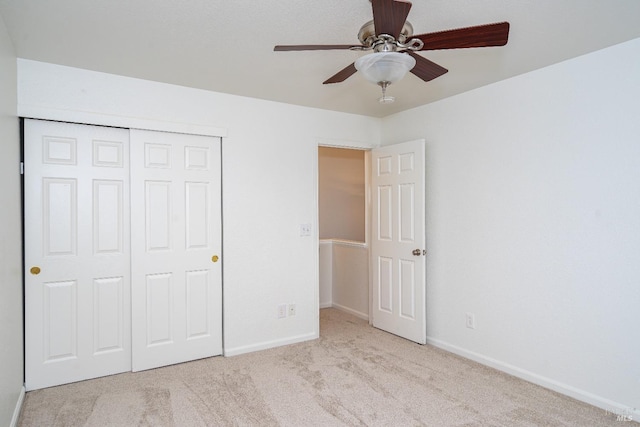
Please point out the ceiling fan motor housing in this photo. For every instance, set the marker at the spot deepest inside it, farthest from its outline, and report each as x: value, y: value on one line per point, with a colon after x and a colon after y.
x: 367, y: 33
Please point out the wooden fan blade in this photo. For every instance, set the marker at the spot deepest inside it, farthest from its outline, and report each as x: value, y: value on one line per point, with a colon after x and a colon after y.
x: 284, y: 48
x: 478, y: 36
x: 341, y: 75
x: 389, y: 16
x: 426, y: 69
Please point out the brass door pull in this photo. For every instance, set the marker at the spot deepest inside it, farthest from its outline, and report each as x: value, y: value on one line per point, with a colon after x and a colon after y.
x: 35, y: 270
x: 215, y: 258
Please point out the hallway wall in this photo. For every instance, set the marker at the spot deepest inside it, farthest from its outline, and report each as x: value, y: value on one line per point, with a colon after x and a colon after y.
x: 341, y: 193
x: 344, y: 276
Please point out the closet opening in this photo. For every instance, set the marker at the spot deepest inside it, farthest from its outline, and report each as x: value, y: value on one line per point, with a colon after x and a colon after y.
x: 342, y: 227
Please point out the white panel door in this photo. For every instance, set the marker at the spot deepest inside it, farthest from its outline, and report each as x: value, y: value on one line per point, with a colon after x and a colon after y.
x: 176, y: 244
x: 398, y: 240
x: 77, y: 257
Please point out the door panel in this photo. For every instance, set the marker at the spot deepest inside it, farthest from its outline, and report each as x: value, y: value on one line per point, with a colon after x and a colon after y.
x: 176, y: 231
x: 77, y: 305
x: 159, y: 303
x: 407, y: 289
x: 406, y: 212
x: 59, y: 216
x: 399, y: 286
x: 108, y: 310
x: 198, y: 311
x: 108, y: 217
x: 157, y: 208
x: 384, y: 214
x: 385, y: 284
x: 197, y: 215
x: 60, y: 321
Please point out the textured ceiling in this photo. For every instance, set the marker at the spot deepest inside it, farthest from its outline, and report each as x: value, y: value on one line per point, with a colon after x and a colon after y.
x: 227, y: 46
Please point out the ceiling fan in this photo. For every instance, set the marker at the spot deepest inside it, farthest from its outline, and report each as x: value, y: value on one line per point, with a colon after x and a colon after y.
x: 390, y: 36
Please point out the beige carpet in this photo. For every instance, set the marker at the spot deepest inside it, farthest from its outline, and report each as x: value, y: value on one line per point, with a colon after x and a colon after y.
x: 353, y: 375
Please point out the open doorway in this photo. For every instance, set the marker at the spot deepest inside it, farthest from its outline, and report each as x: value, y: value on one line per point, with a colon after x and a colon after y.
x: 342, y: 219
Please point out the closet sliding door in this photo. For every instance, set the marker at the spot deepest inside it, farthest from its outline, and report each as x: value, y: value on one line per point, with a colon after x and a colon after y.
x: 77, y: 258
x: 176, y: 244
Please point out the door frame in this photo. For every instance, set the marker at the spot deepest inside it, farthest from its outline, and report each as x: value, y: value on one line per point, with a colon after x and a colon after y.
x: 366, y: 148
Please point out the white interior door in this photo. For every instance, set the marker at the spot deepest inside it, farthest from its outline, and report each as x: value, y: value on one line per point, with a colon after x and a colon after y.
x: 176, y: 244
x: 77, y: 283
x: 398, y: 240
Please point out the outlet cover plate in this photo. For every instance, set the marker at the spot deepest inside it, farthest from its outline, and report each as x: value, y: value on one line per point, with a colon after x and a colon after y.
x: 471, y: 320
x: 282, y: 311
x: 305, y: 230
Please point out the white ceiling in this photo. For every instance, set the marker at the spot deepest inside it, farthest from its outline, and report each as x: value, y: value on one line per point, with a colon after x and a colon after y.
x: 227, y: 46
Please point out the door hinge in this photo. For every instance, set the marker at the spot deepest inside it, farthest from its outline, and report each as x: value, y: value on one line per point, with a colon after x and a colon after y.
x: 21, y: 168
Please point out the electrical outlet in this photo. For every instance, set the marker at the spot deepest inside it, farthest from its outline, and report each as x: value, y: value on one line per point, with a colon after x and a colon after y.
x: 305, y: 230
x: 282, y: 311
x: 292, y: 309
x: 471, y: 321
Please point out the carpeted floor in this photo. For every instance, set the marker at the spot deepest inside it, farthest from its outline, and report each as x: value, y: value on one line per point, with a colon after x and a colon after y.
x: 353, y: 375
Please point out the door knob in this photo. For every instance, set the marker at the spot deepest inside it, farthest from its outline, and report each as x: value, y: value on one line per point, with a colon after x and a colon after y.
x: 35, y: 270
x: 417, y: 252
x: 215, y: 258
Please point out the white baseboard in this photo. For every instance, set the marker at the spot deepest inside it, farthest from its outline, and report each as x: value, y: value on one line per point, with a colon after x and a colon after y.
x: 614, y: 408
x: 18, y: 408
x: 326, y: 305
x: 351, y: 311
x: 229, y: 352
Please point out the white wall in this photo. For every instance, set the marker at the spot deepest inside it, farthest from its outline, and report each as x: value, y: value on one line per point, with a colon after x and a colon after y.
x: 533, y: 223
x: 11, y: 357
x: 269, y: 182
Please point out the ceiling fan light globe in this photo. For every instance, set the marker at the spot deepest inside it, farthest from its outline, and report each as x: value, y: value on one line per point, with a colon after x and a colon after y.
x: 384, y: 66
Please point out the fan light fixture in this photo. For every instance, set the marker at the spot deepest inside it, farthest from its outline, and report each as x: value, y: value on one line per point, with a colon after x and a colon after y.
x: 385, y: 68
x: 390, y: 36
